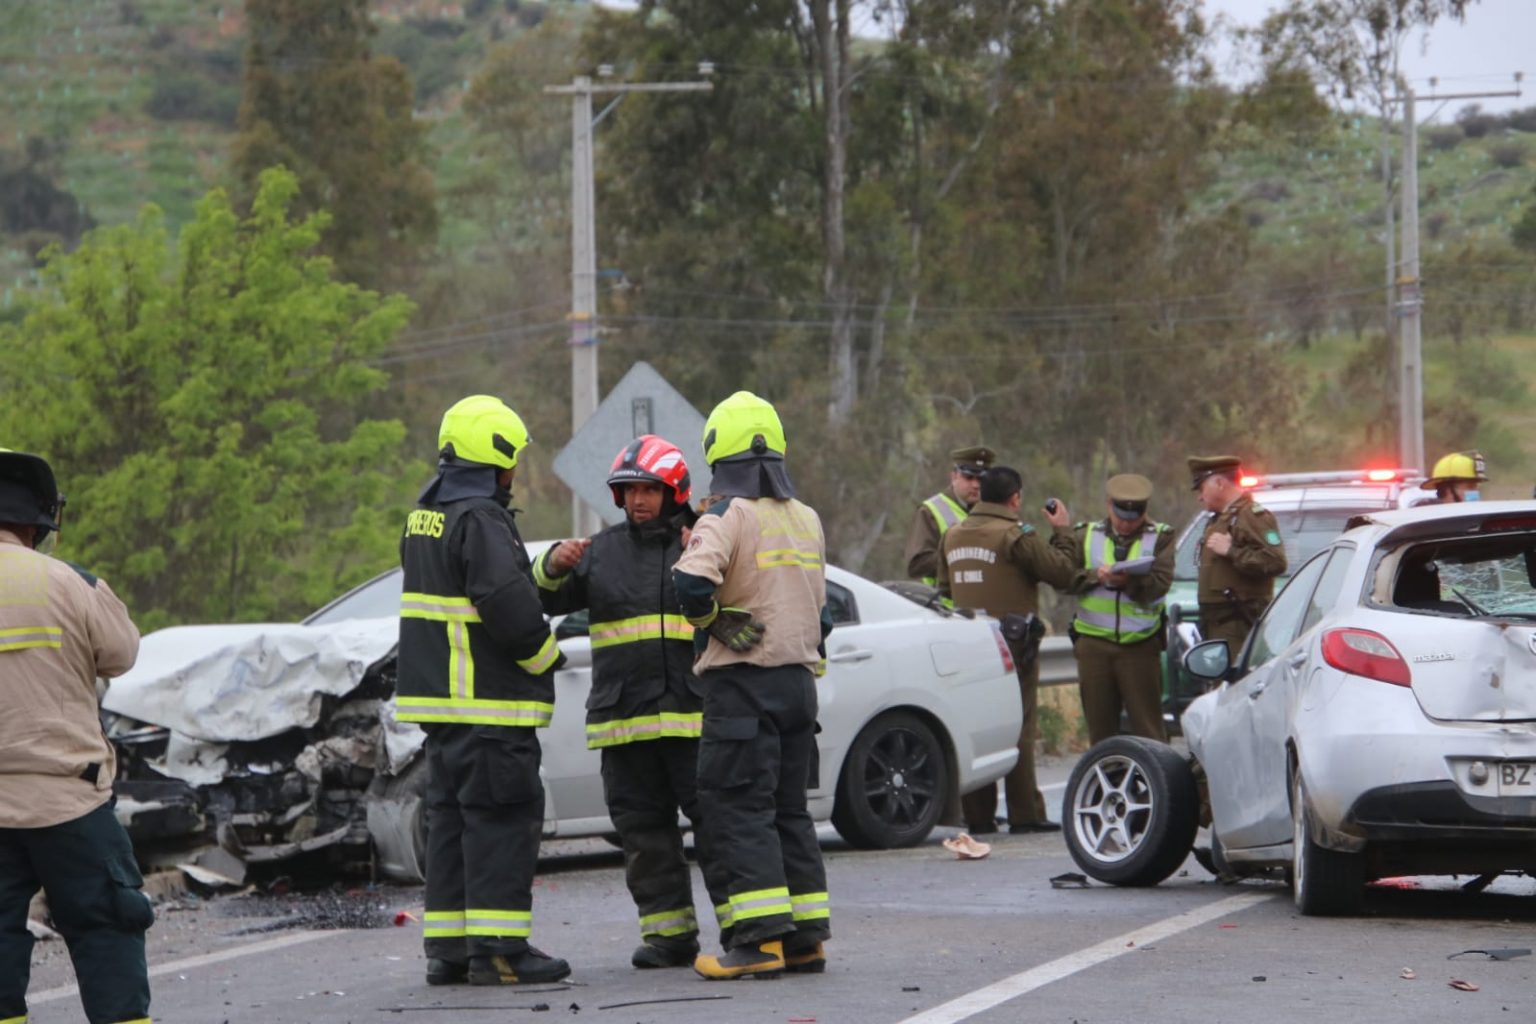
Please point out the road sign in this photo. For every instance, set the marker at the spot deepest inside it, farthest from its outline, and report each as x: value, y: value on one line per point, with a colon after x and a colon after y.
x: 642, y: 403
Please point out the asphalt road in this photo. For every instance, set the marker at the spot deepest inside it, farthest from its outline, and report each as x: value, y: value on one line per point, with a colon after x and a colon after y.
x: 919, y: 937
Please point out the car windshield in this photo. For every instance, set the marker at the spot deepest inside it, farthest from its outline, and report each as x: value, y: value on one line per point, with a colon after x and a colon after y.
x: 1465, y: 577
x: 376, y: 599
x: 1304, y: 532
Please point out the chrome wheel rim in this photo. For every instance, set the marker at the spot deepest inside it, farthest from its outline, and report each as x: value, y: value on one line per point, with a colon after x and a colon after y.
x: 1112, y: 809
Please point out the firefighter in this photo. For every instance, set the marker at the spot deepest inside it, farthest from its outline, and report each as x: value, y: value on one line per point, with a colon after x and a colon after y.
x: 943, y: 510
x: 751, y: 581
x: 1456, y: 477
x: 61, y: 628
x: 477, y: 664
x: 644, y: 711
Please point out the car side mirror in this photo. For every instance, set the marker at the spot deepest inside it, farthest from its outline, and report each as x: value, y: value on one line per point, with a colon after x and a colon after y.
x: 1210, y: 661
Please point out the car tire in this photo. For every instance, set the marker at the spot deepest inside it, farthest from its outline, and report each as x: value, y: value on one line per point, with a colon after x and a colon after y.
x: 894, y: 781
x: 1324, y: 883
x: 1130, y: 811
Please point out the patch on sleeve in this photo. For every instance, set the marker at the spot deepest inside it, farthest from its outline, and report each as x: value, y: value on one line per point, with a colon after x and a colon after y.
x: 1272, y: 537
x: 718, y: 508
x: 83, y: 573
x: 1256, y: 507
x: 1026, y: 529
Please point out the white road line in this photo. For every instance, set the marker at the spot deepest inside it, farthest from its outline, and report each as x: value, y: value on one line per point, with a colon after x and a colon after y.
x: 193, y: 962
x: 996, y: 994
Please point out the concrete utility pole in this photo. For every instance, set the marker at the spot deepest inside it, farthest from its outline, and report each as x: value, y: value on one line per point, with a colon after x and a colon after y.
x: 583, y: 317
x: 1410, y: 298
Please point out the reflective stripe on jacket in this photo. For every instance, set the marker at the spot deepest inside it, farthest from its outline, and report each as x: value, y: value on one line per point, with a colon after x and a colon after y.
x: 946, y: 512
x: 1108, y: 613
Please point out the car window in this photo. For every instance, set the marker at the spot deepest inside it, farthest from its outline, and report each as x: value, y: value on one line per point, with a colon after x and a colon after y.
x: 1303, y: 533
x: 840, y: 602
x: 1282, y: 622
x: 376, y: 599
x: 1327, y: 593
x: 1494, y: 575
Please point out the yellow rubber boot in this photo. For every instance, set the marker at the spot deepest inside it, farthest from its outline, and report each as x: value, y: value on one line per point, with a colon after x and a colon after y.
x: 810, y: 960
x: 764, y: 960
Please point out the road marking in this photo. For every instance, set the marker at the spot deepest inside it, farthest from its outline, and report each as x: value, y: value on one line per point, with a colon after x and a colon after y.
x: 996, y: 994
x: 193, y: 962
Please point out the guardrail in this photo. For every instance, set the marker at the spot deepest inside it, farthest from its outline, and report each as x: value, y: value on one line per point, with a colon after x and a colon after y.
x: 1057, y: 665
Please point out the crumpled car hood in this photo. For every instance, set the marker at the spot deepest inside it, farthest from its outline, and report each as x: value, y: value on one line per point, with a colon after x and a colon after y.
x: 228, y: 683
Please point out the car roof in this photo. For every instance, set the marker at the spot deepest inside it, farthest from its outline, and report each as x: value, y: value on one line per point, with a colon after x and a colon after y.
x: 1471, y: 514
x: 1362, y: 496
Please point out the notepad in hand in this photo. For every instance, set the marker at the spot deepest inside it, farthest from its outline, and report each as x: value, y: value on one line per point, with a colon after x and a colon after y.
x: 1134, y: 566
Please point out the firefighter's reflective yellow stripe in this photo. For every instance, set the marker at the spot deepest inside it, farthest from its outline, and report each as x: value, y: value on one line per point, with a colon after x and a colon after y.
x: 136, y: 1020
x: 810, y: 906
x: 760, y: 903
x: 15, y: 1020
x: 802, y: 558
x: 548, y: 654
x: 667, y: 724
x: 443, y: 924
x: 641, y: 627
x: 31, y: 636
x: 438, y: 608
x: 517, y: 923
x: 670, y: 922
x: 542, y: 579
x: 723, y: 915
x: 531, y: 713
x: 461, y: 663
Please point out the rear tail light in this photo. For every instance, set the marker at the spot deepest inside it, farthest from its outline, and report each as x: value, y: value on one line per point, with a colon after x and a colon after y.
x: 1002, y: 648
x: 1364, y: 653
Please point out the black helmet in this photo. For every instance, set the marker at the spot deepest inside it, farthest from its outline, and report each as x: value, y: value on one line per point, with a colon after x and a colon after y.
x: 29, y: 495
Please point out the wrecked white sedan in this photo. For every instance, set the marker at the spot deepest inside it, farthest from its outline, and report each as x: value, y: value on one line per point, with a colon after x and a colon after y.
x: 251, y: 743
x: 1380, y: 721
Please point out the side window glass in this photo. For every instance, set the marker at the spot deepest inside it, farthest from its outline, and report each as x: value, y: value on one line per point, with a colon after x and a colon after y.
x: 1327, y: 593
x: 840, y: 602
x: 1282, y: 622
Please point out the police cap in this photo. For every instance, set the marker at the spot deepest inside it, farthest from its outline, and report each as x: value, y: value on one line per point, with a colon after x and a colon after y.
x: 973, y: 461
x: 1202, y: 466
x: 1129, y: 494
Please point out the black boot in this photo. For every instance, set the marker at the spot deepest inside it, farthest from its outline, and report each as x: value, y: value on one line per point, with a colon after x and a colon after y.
x: 664, y: 954
x: 804, y: 959
x: 530, y: 967
x: 446, y: 972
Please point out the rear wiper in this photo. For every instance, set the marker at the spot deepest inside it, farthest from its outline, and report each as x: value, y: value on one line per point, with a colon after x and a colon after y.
x: 1464, y: 599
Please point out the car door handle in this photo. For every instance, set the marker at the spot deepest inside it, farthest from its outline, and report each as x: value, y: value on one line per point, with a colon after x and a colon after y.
x: 1257, y: 688
x: 851, y: 656
x: 1297, y: 660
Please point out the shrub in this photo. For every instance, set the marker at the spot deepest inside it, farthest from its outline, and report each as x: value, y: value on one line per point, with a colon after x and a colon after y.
x: 1508, y: 154
x: 1442, y: 139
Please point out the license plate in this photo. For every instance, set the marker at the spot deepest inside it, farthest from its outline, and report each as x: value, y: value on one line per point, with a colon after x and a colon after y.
x: 1516, y: 778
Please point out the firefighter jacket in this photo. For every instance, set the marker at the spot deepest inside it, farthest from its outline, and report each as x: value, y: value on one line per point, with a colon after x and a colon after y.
x: 60, y: 628
x: 1249, y: 569
x: 643, y: 686
x: 474, y: 646
x: 1130, y: 614
x: 933, y: 518
x: 993, y: 563
x: 765, y: 555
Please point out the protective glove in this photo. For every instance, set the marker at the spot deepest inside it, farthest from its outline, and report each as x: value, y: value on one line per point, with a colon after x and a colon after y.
x: 736, y: 628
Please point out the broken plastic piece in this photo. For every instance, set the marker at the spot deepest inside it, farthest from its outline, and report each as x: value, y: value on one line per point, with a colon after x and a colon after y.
x: 1408, y: 974
x: 1070, y: 880
x: 402, y: 916
x: 964, y: 847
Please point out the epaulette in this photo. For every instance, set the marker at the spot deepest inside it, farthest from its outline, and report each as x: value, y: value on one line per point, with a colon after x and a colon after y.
x: 83, y: 573
x: 1256, y: 507
x: 1026, y: 529
x: 718, y: 508
x: 1162, y: 527
x: 1082, y: 525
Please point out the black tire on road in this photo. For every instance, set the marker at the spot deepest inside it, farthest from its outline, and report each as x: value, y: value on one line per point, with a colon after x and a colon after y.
x: 1130, y: 811
x: 1324, y: 883
x: 892, y: 788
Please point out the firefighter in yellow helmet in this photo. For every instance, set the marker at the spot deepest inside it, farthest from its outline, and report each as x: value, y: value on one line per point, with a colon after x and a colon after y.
x: 1456, y: 476
x: 61, y: 628
x: 476, y: 669
x: 751, y: 581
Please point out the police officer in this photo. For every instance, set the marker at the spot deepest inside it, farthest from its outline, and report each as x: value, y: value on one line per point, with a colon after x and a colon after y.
x: 943, y: 510
x: 993, y: 563
x: 644, y: 712
x: 1117, y: 634
x: 1240, y: 552
x: 1456, y: 477
x: 477, y: 664
x: 751, y: 581
x: 61, y: 628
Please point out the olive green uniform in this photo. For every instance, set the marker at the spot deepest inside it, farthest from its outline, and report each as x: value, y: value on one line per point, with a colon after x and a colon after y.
x: 1248, y: 571
x: 993, y: 563
x: 1121, y: 671
x: 929, y: 523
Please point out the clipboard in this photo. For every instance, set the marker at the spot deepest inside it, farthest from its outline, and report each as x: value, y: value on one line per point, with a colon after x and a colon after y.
x: 1134, y: 566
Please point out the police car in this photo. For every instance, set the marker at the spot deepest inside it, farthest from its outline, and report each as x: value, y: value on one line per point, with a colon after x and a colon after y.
x: 1311, y: 510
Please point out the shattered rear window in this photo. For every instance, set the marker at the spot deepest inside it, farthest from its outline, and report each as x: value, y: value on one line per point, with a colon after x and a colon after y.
x: 1468, y: 577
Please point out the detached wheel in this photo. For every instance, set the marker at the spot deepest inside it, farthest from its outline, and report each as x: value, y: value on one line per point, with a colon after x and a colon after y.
x: 891, y: 790
x: 1130, y: 811
x: 1324, y: 883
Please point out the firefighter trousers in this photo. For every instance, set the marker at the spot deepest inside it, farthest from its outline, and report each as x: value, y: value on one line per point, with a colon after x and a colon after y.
x: 645, y: 784
x: 756, y: 761
x: 86, y: 868
x: 485, y: 815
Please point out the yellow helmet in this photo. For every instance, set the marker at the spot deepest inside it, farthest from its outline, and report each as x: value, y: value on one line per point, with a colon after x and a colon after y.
x: 1457, y: 466
x: 742, y: 425
x: 482, y: 429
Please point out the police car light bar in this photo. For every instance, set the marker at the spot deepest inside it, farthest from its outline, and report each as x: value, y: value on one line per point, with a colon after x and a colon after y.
x: 1342, y: 476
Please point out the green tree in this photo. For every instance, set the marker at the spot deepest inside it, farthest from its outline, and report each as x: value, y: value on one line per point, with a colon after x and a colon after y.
x: 319, y: 104
x: 1523, y: 234
x: 208, y: 411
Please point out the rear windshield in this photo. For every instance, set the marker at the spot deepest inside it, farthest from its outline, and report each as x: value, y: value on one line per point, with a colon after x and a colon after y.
x: 1303, y: 532
x: 1463, y: 577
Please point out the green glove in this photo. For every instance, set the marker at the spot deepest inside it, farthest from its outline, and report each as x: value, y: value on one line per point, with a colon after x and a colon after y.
x: 736, y: 628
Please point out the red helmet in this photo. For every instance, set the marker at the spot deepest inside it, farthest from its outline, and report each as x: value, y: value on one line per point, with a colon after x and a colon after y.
x: 653, y: 460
